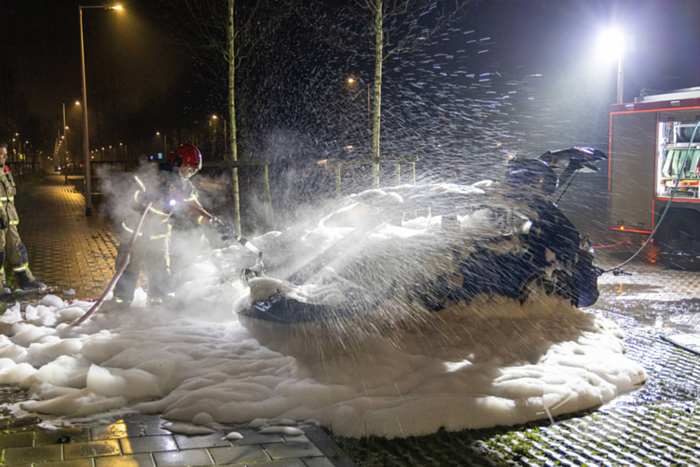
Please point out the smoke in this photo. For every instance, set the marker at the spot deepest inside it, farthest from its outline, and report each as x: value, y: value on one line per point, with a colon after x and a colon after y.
x: 191, y: 246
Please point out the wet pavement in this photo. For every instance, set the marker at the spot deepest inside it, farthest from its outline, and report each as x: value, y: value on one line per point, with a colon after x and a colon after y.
x: 659, y: 424
x: 75, y: 255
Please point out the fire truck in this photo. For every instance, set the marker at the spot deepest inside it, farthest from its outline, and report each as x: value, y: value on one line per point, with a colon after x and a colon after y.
x: 648, y: 140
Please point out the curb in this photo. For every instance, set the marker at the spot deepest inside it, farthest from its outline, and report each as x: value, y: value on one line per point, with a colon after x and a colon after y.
x: 333, y: 453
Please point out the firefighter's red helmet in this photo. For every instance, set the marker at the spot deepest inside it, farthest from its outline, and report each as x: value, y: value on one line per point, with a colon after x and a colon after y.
x: 187, y: 154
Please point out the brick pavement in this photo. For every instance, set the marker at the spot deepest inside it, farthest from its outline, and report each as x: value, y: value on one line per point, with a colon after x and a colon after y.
x: 67, y: 250
x: 657, y: 425
x: 70, y: 251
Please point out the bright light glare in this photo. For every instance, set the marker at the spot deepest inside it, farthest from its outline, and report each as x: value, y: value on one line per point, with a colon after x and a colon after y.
x: 351, y: 80
x: 77, y: 102
x: 611, y: 44
x: 117, y: 7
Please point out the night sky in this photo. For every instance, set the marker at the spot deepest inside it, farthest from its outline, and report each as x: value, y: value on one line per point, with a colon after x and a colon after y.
x: 135, y: 55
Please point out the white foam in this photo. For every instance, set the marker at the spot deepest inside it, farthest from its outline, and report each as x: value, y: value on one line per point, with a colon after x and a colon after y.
x: 399, y: 370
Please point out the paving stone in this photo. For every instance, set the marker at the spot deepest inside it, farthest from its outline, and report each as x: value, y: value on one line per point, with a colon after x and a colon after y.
x: 205, y: 441
x: 142, y: 417
x: 92, y: 449
x: 117, y: 430
x: 282, y: 463
x: 34, y: 454
x: 76, y: 435
x: 76, y: 251
x: 139, y: 460
x: 190, y: 458
x: 238, y: 454
x: 17, y: 440
x: 318, y: 462
x: 154, y: 429
x: 13, y: 425
x: 286, y: 450
x: 148, y: 444
x: 295, y: 439
x: 70, y: 463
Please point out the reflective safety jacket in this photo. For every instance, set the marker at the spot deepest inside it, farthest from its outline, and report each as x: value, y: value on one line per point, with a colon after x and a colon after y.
x: 8, y: 213
x: 169, y: 193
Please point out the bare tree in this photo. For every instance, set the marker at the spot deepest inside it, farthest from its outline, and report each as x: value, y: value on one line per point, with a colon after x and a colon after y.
x: 222, y: 36
x: 378, y: 30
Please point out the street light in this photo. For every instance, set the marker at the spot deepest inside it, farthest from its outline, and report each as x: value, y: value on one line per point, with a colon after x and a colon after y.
x: 86, y: 138
x: 165, y: 142
x: 352, y: 80
x: 215, y: 117
x: 612, y: 44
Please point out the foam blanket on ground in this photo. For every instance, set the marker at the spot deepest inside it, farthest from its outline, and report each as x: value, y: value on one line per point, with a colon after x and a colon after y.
x: 509, y: 366
x: 397, y: 369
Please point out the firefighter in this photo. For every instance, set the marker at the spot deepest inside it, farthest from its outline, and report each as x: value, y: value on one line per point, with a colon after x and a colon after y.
x: 12, y: 247
x: 170, y: 189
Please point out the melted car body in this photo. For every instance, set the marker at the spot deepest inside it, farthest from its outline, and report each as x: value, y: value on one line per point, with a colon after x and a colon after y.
x: 430, y: 246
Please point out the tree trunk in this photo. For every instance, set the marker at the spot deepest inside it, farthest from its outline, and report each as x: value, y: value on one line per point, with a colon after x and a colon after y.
x: 232, y: 118
x: 377, y: 117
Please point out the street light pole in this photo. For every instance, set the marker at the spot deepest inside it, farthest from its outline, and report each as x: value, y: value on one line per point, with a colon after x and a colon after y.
x: 86, y: 137
x: 620, y: 79
x: 65, y: 138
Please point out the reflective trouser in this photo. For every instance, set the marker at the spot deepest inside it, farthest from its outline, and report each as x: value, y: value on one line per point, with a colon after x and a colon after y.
x: 149, y: 254
x: 14, y: 251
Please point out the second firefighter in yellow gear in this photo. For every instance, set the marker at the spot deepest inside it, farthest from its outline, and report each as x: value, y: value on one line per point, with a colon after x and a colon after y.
x: 14, y: 253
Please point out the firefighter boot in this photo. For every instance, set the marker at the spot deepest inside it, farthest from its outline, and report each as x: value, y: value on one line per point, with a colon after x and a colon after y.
x: 116, y: 304
x: 26, y: 283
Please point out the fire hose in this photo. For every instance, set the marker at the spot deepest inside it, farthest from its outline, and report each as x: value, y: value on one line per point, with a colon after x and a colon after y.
x: 120, y: 270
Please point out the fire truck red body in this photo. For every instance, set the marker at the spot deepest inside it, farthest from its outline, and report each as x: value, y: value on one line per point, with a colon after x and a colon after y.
x: 648, y: 140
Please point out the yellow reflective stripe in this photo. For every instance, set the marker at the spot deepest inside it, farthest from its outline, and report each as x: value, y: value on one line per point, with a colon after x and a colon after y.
x: 136, y: 195
x: 129, y: 230
x: 15, y: 222
x: 118, y: 300
x: 21, y: 268
x: 192, y: 198
x: 5, y: 198
x: 159, y: 212
x: 2, y: 270
x: 138, y: 180
x: 200, y: 219
x: 157, y: 237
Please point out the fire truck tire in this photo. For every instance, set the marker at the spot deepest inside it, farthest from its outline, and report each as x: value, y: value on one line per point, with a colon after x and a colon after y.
x: 679, y: 240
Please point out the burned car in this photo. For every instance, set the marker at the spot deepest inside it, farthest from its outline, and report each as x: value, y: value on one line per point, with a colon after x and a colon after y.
x: 432, y: 246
